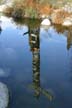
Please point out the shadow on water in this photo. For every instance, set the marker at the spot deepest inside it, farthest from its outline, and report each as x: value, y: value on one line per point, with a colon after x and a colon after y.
x: 34, y: 42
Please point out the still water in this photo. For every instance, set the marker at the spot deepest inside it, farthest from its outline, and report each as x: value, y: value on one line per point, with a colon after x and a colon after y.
x: 37, y: 71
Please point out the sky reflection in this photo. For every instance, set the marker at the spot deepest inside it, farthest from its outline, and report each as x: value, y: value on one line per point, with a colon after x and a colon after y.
x: 46, y: 64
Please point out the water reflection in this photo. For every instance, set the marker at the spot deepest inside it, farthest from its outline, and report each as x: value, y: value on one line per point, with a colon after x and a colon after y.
x: 54, y: 65
x: 34, y: 24
x: 69, y: 39
x: 34, y: 42
x: 68, y: 33
x: 0, y: 29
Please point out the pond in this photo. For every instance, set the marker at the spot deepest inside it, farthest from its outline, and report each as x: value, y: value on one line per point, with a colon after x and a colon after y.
x: 36, y: 67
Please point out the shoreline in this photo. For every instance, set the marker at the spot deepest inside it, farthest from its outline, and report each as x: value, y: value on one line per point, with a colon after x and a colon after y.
x: 56, y: 16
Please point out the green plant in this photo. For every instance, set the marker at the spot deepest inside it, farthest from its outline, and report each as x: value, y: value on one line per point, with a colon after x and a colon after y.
x: 32, y: 12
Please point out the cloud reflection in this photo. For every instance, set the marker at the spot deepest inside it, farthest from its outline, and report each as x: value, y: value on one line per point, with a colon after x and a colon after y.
x: 4, y: 72
x: 6, y: 23
x: 8, y: 54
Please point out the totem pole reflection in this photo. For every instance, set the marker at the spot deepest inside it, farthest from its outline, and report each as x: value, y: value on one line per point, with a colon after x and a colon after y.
x: 35, y: 49
x: 34, y: 42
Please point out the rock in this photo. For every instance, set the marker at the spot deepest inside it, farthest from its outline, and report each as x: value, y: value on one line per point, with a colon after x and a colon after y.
x: 67, y: 21
x: 68, y: 7
x: 46, y: 22
x: 4, y: 96
x: 4, y: 6
x: 44, y: 16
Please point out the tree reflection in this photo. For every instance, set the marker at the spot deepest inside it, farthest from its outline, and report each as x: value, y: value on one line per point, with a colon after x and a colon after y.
x: 0, y: 29
x: 62, y: 29
x: 69, y: 38
x: 34, y: 42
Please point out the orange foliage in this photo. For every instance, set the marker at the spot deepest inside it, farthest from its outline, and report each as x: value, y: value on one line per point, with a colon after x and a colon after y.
x: 30, y: 3
x: 42, y: 9
x: 60, y: 15
x: 45, y: 9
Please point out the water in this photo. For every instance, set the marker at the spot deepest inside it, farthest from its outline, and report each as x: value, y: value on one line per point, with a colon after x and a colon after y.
x: 35, y: 72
